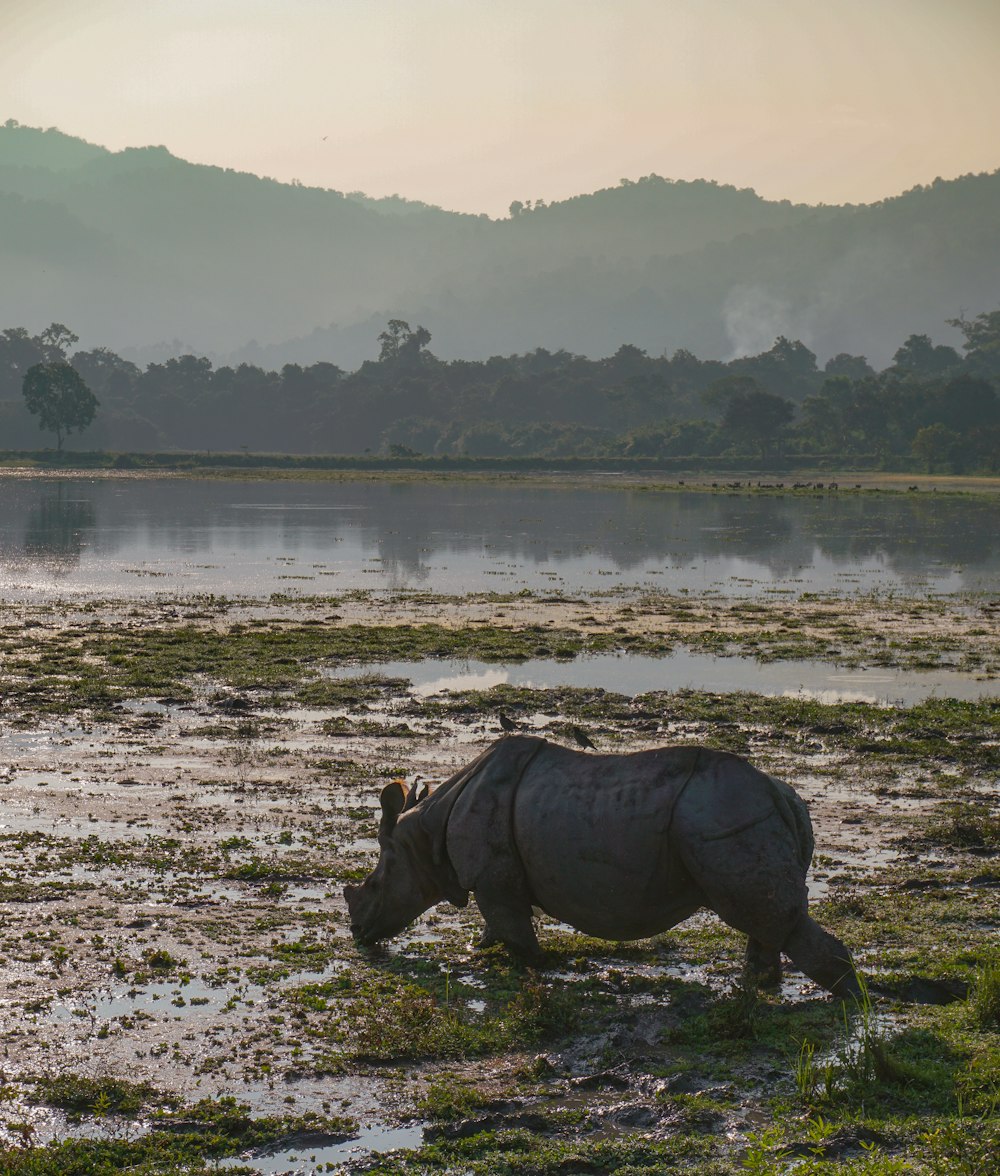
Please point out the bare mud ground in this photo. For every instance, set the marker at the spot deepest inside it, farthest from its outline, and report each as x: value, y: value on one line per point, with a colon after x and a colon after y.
x: 185, y: 791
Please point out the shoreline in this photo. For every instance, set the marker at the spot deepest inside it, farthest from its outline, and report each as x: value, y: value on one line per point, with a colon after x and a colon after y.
x: 788, y: 482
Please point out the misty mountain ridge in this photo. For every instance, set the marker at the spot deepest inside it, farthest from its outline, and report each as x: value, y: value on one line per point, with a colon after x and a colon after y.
x: 137, y: 247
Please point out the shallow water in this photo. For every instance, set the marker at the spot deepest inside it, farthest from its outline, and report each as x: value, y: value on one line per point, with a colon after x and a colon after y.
x: 303, y: 1160
x: 167, y: 1000
x: 638, y: 674
x: 146, y: 537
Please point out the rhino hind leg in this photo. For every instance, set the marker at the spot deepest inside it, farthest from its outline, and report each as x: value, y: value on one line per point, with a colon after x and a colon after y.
x: 762, y: 965
x: 756, y: 883
x: 823, y: 958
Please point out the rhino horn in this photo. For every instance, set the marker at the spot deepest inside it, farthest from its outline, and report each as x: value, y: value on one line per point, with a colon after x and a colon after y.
x: 393, y: 800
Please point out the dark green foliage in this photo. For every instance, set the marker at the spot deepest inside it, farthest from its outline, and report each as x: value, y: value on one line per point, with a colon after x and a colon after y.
x: 58, y: 396
x: 969, y: 826
x: 519, y: 1152
x: 414, y: 409
x: 446, y: 1100
x: 986, y: 995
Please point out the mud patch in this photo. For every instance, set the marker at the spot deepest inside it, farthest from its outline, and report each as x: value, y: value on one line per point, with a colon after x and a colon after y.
x: 172, y: 869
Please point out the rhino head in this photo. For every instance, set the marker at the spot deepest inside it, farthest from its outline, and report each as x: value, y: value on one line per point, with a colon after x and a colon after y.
x: 410, y: 876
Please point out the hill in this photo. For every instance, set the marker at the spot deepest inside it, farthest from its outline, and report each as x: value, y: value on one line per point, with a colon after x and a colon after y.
x: 138, y: 247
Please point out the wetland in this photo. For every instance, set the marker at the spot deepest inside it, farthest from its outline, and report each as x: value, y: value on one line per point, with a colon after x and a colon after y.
x: 205, y: 684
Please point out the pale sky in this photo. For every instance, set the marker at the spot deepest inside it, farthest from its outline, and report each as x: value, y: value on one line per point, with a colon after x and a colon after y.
x: 474, y: 103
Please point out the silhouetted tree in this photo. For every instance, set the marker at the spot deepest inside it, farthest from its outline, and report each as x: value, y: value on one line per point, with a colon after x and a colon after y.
x: 720, y: 393
x: 982, y: 341
x: 20, y: 350
x: 788, y: 369
x: 855, y: 367
x: 919, y: 357
x: 966, y: 404
x: 845, y: 416
x: 540, y: 403
x: 401, y: 345
x: 57, y: 395
x: 106, y: 373
x: 55, y: 341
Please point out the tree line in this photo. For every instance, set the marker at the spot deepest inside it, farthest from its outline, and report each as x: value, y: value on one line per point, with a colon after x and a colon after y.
x: 932, y: 406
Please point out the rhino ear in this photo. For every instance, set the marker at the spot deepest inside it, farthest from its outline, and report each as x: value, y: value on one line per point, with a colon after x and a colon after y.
x: 416, y: 794
x: 392, y: 799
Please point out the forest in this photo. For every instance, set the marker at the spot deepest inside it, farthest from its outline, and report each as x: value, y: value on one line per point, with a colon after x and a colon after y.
x: 157, y: 257
x: 932, y: 408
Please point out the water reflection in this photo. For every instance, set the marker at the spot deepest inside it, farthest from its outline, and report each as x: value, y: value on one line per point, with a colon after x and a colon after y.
x: 58, y: 528
x: 141, y: 536
x: 685, y: 669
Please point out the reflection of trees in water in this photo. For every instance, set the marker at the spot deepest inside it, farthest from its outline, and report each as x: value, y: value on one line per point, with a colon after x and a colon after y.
x: 910, y: 533
x: 418, y: 530
x: 907, y: 534
x: 58, y: 528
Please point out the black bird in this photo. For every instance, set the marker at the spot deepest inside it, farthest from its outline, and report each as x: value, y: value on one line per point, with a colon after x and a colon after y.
x: 507, y: 724
x: 582, y: 738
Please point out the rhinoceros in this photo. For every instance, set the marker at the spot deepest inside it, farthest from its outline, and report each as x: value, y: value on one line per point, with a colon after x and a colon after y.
x: 618, y: 846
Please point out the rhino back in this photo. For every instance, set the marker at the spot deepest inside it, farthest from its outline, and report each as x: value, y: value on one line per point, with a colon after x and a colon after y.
x: 610, y: 844
x: 592, y: 834
x: 730, y: 791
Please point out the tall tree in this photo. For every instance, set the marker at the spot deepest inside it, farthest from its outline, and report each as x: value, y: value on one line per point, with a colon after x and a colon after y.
x: 57, y: 395
x: 399, y: 344
x: 919, y: 356
x: 982, y: 341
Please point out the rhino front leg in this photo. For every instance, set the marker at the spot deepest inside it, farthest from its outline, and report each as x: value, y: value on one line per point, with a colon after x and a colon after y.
x: 508, y: 923
x: 762, y: 965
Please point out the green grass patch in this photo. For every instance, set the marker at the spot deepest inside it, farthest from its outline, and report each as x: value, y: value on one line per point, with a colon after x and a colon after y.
x: 377, y: 1016
x: 79, y: 1095
x: 183, y: 1139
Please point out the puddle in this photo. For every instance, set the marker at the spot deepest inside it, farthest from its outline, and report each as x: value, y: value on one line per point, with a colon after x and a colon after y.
x: 363, y: 845
x: 38, y: 740
x: 310, y: 1155
x: 685, y: 670
x: 155, y: 708
x: 795, y: 987
x: 174, y: 1000
x: 170, y: 1000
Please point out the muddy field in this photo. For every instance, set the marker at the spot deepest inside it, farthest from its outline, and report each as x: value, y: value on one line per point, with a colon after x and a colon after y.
x: 186, y: 789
